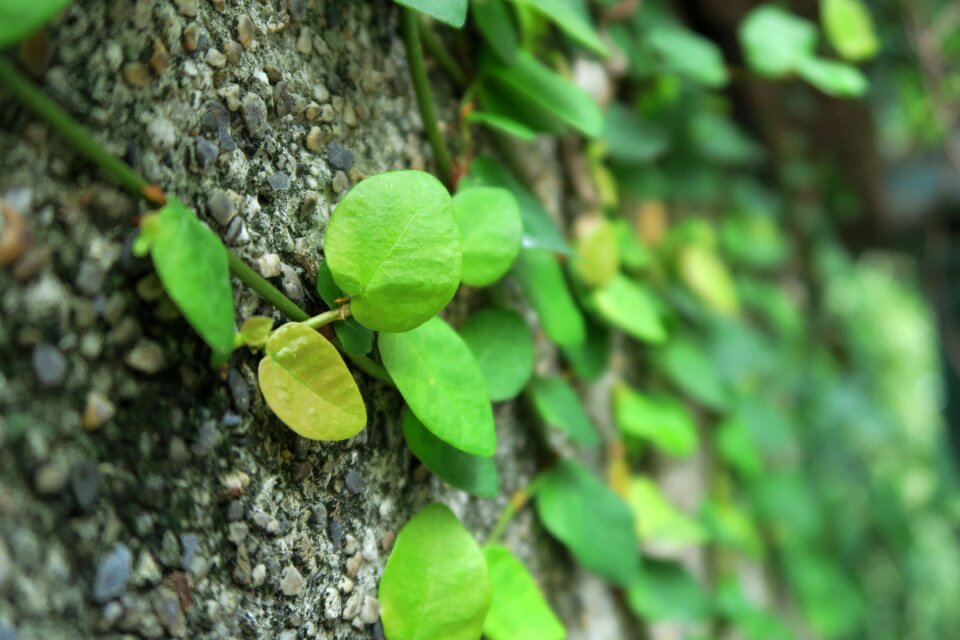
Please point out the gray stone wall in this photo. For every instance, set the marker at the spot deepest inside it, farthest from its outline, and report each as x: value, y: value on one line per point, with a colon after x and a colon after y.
x: 143, y: 494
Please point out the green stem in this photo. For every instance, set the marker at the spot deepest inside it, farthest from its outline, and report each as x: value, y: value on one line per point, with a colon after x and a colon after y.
x: 442, y: 56
x: 37, y: 101
x: 325, y: 318
x: 267, y: 291
x: 421, y: 86
x: 517, y: 501
x: 370, y: 368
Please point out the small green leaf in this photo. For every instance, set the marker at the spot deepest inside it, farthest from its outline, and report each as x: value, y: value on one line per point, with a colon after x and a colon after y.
x: 307, y: 385
x: 630, y: 138
x: 665, y: 591
x: 543, y: 86
x: 503, y: 346
x: 559, y: 406
x: 393, y: 247
x: 707, y: 277
x: 775, y: 41
x: 477, y: 476
x: 735, y: 445
x: 192, y: 264
x: 439, y: 378
x: 663, y: 421
x: 689, y: 367
x: 256, y: 330
x: 731, y: 525
x: 495, y: 22
x: 435, y: 585
x: 591, y: 520
x: 490, y: 231
x: 590, y: 358
x: 19, y: 19
x: 452, y: 12
x: 849, y: 29
x: 834, y: 78
x: 546, y: 288
x: 657, y: 520
x: 502, y: 123
x: 597, y: 259
x: 573, y: 17
x: 539, y: 229
x: 518, y: 610
x: 690, y: 55
x: 355, y: 339
x: 631, y: 307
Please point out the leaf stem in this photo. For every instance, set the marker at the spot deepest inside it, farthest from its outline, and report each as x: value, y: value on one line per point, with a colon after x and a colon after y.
x: 517, y: 501
x: 38, y: 102
x: 265, y: 290
x: 370, y: 368
x: 436, y: 49
x: 421, y: 86
x: 325, y: 318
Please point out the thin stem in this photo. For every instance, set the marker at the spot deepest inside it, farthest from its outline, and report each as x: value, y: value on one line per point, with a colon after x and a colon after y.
x: 517, y: 501
x: 267, y: 291
x: 370, y: 368
x: 38, y: 102
x: 325, y: 318
x: 436, y: 49
x: 421, y: 87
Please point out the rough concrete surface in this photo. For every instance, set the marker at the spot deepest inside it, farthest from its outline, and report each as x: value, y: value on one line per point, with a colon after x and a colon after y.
x: 143, y: 494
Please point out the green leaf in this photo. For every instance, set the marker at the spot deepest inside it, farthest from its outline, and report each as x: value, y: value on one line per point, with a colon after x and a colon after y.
x: 393, y: 247
x: 631, y: 307
x: 688, y: 367
x: 736, y: 446
x: 591, y: 520
x: 543, y: 86
x: 665, y: 591
x: 495, y: 22
x: 439, y: 378
x: 539, y: 229
x: 503, y: 346
x: 849, y: 29
x: 657, y: 520
x: 256, y: 330
x: 477, y: 476
x: 707, y: 277
x: 690, y: 55
x: 21, y: 19
x: 630, y: 138
x: 731, y: 525
x: 834, y: 78
x: 502, y: 123
x: 775, y: 41
x: 192, y: 264
x: 590, y: 358
x: 490, y: 231
x: 573, y: 17
x: 518, y: 610
x: 597, y: 259
x: 307, y: 385
x: 546, y: 288
x: 355, y: 339
x: 435, y: 585
x: 559, y: 406
x: 661, y: 420
x: 452, y: 12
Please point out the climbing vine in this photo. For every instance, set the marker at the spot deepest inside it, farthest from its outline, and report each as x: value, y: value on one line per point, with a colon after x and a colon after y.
x: 695, y: 295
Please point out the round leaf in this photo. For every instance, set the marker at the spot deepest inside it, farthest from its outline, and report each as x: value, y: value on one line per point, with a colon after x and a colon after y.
x: 20, y: 19
x: 688, y: 367
x: 849, y: 28
x: 665, y: 591
x: 559, y: 406
x: 393, y: 247
x: 834, y: 78
x: 518, y: 609
x: 707, y: 277
x: 355, y: 339
x: 598, y: 250
x: 657, y: 520
x: 663, y: 421
x: 192, y: 264
x: 438, y: 376
x: 591, y: 520
x: 490, y: 231
x: 631, y: 307
x: 306, y: 383
x: 435, y: 584
x: 690, y: 55
x: 476, y: 476
x: 256, y: 330
x: 775, y: 41
x: 502, y: 344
